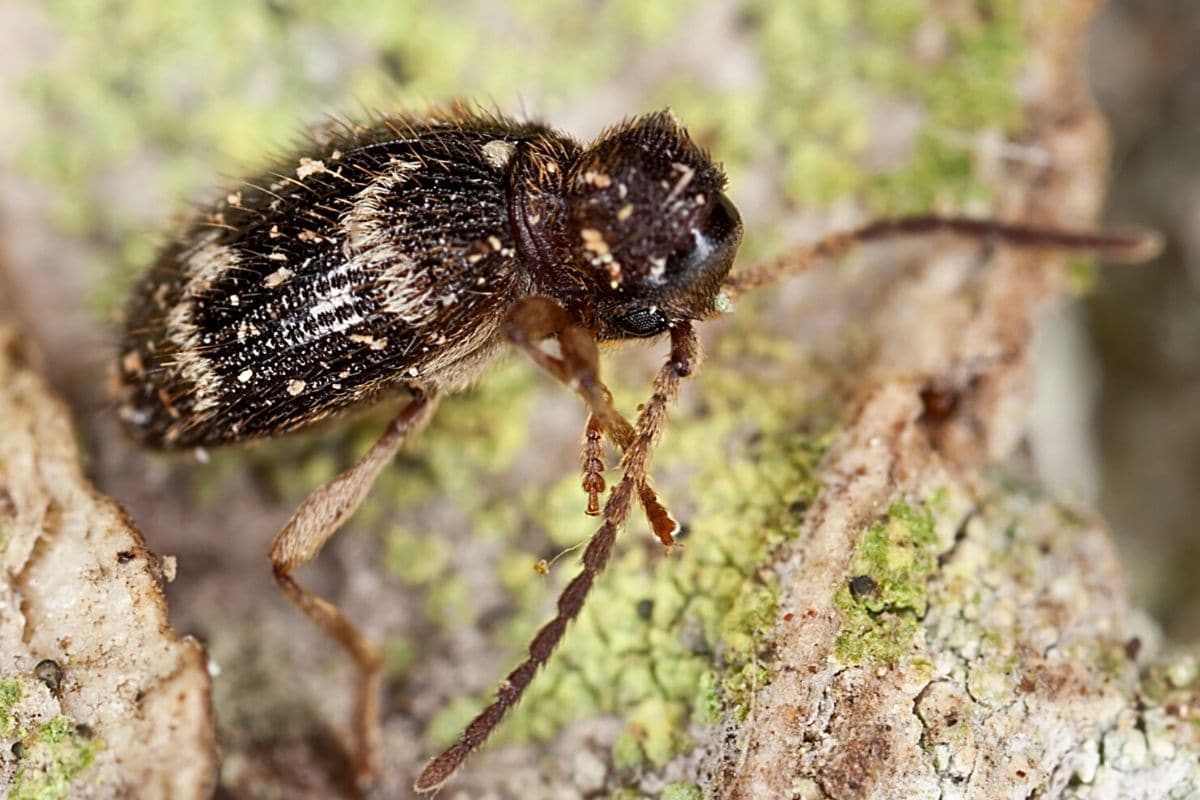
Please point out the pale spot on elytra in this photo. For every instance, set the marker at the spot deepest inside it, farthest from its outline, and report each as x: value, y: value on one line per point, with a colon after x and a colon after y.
x: 499, y: 152
x: 310, y: 166
x: 132, y: 362
x: 278, y: 277
x: 369, y: 341
x: 593, y: 240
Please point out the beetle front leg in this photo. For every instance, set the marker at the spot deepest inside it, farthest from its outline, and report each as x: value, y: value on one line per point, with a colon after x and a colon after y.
x: 593, y: 464
x: 536, y: 318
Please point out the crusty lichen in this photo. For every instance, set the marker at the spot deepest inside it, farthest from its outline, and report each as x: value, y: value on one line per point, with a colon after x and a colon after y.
x: 10, y: 694
x: 949, y: 74
x: 682, y: 791
x: 52, y: 756
x: 885, y: 599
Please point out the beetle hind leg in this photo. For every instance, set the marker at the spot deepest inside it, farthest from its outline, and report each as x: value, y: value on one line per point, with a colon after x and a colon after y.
x: 300, y: 541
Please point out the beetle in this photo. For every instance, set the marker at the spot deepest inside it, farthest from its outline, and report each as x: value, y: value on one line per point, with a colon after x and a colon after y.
x: 398, y: 258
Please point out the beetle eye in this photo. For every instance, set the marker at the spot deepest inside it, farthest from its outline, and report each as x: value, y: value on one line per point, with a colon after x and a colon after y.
x: 642, y: 322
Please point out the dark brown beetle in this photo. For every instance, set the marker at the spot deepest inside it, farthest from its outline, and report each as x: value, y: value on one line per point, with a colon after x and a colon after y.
x: 399, y: 258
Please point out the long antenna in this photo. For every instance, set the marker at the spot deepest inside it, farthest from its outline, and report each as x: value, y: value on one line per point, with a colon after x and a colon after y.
x: 1129, y: 246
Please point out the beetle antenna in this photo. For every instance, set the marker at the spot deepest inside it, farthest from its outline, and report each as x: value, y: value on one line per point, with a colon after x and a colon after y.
x: 649, y: 427
x: 1129, y: 246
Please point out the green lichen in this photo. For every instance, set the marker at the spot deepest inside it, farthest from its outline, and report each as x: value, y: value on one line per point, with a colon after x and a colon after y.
x: 656, y: 725
x: 828, y: 66
x: 668, y: 640
x: 709, y: 697
x: 682, y: 791
x: 10, y: 694
x: 399, y: 654
x: 54, y: 755
x: 894, y: 560
x: 416, y: 558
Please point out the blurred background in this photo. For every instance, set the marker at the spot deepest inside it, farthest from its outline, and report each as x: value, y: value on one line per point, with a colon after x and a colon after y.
x: 1143, y: 325
x: 116, y: 114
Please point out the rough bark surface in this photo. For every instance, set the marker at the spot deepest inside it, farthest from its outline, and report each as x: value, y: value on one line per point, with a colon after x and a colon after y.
x: 1022, y: 677
x: 927, y: 623
x: 127, y: 712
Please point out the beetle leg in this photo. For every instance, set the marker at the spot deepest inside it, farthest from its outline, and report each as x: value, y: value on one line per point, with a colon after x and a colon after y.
x: 301, y: 540
x: 593, y: 464
x: 650, y: 424
x: 534, y: 319
x: 537, y: 318
x: 661, y: 522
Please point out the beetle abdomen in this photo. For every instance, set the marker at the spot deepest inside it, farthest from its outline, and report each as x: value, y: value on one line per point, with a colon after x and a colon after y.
x: 375, y: 263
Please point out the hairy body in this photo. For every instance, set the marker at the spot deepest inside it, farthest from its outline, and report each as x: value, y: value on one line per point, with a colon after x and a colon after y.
x: 383, y: 260
x: 388, y: 258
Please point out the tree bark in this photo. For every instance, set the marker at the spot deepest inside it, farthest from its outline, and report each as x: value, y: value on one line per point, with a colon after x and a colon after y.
x: 99, y: 697
x: 874, y: 598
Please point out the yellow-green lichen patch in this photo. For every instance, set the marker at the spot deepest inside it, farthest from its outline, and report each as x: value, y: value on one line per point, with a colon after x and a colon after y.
x: 10, y: 693
x: 682, y: 791
x: 52, y: 757
x: 668, y: 640
x: 830, y: 68
x: 416, y: 558
x: 887, y: 588
x: 652, y: 735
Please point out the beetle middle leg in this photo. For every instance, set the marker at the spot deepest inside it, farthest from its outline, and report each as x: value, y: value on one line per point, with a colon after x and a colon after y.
x: 661, y: 522
x: 301, y: 540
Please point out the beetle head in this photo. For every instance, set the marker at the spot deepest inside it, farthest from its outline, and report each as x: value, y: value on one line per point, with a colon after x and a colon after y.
x: 653, y: 231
